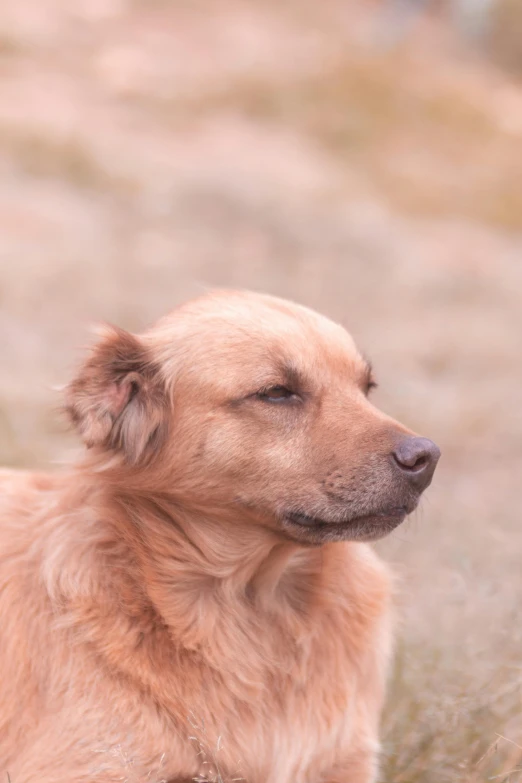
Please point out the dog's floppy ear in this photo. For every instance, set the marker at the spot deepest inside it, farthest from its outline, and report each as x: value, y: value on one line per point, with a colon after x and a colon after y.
x: 118, y: 400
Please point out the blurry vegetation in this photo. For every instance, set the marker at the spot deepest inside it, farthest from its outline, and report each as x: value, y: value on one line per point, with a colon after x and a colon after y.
x: 461, y: 733
x: 8, y: 46
x: 431, y: 148
x: 504, y: 38
x: 67, y: 158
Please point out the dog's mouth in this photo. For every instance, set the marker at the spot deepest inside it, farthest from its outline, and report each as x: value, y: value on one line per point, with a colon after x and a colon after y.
x: 367, y: 527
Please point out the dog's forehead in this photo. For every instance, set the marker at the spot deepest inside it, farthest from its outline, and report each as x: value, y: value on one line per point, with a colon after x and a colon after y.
x: 255, y: 333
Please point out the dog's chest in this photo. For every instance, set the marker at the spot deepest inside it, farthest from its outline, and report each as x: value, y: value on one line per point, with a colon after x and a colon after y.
x: 296, y: 747
x: 274, y: 698
x: 308, y: 736
x: 292, y: 704
x: 289, y: 730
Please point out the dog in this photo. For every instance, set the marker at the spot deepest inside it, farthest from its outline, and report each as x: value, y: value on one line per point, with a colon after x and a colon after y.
x: 195, y: 598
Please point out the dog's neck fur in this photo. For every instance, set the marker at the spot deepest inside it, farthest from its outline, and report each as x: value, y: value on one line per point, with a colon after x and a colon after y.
x: 195, y: 576
x: 188, y: 558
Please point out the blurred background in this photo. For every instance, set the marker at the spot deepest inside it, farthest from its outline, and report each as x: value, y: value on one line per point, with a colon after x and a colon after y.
x: 363, y: 158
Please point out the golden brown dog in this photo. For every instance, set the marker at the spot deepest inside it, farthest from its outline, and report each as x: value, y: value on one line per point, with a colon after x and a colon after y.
x: 194, y: 600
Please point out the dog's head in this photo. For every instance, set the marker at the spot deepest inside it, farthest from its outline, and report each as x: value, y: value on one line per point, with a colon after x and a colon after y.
x: 257, y: 407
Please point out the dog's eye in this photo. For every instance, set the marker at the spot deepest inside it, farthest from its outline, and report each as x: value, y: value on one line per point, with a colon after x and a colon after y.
x: 275, y: 394
x: 369, y: 386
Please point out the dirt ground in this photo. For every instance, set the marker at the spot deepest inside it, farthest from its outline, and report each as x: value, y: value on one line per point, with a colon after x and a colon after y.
x: 150, y: 150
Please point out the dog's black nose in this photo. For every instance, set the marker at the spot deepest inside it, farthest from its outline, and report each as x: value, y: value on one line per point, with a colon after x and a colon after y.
x: 417, y: 459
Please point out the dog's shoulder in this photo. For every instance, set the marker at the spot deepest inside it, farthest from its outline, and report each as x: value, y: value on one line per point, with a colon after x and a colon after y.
x: 29, y: 517
x: 25, y: 494
x: 17, y: 484
x: 22, y: 494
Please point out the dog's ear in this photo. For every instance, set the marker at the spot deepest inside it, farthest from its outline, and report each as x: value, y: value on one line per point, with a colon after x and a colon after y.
x: 118, y: 400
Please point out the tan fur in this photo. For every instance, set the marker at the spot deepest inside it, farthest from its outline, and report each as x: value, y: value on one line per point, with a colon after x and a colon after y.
x: 158, y: 620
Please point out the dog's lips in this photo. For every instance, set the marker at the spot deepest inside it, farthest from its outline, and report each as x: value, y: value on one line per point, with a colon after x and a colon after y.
x: 305, y: 520
x: 366, y: 527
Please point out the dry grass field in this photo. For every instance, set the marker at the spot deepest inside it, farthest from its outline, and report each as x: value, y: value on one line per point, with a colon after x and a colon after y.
x: 152, y: 149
